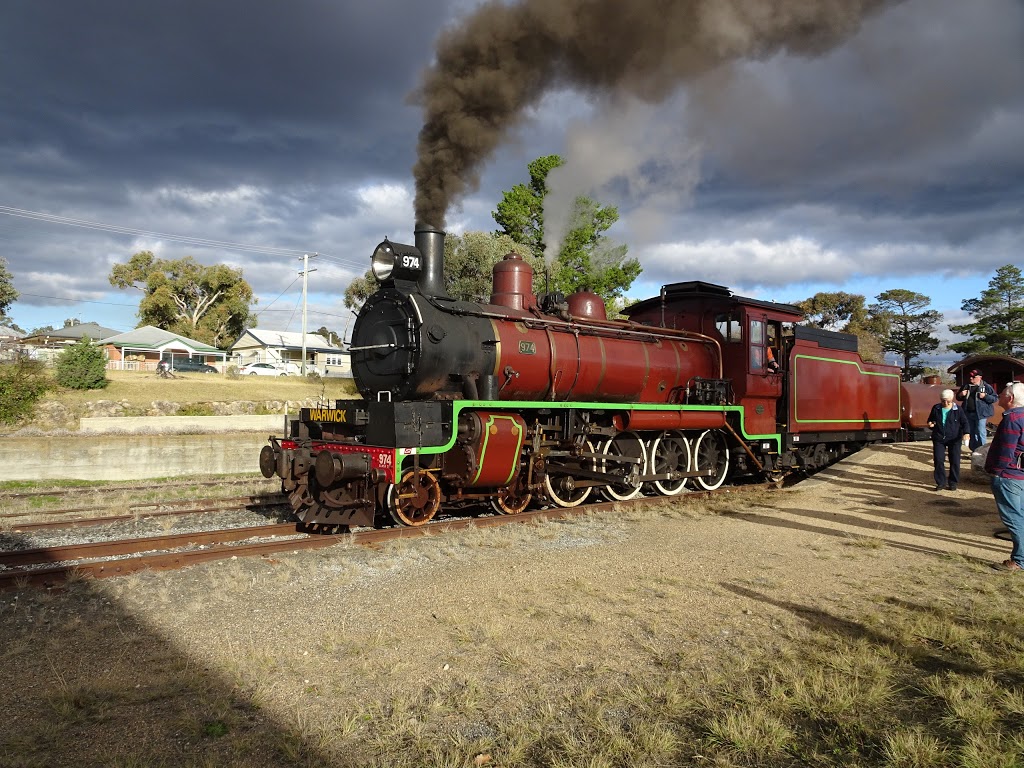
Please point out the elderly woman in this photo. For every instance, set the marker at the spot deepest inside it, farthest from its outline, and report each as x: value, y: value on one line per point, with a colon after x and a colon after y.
x: 949, y: 424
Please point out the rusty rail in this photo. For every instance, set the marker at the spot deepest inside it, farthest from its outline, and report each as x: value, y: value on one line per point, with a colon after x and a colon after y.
x: 68, y: 560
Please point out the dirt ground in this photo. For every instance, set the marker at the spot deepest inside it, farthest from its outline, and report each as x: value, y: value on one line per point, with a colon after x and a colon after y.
x: 489, y: 613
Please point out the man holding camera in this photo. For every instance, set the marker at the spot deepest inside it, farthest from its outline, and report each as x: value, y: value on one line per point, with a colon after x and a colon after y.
x: 979, y: 403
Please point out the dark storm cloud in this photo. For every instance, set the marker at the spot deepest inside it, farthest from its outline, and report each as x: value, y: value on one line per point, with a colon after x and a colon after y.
x: 893, y: 149
x: 202, y: 88
x: 251, y: 122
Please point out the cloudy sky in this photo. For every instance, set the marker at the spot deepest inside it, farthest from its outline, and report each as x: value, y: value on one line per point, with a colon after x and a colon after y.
x: 251, y: 132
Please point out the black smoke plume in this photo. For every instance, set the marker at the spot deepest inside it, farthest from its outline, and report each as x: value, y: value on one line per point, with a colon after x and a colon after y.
x: 503, y: 58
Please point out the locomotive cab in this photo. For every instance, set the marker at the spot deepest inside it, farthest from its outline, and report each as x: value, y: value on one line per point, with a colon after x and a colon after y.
x: 752, y: 334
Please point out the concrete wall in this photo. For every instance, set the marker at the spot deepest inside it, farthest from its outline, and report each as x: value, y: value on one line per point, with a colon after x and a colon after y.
x: 127, y: 456
x: 273, y: 424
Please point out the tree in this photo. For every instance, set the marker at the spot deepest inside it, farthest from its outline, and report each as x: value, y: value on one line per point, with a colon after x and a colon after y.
x: 8, y: 294
x: 832, y: 311
x: 845, y: 312
x: 332, y: 338
x: 82, y: 366
x: 469, y: 261
x: 209, y: 304
x: 998, y: 326
x: 359, y: 290
x: 910, y: 326
x: 587, y: 258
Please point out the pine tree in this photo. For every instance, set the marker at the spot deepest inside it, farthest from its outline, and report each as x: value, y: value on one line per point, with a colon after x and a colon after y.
x: 910, y: 326
x: 998, y: 326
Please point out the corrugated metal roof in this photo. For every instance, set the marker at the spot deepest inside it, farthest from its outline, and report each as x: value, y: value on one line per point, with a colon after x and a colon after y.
x: 151, y: 337
x: 289, y: 340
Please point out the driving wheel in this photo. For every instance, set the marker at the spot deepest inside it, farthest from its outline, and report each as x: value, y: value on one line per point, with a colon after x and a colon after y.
x: 630, y: 447
x: 711, y: 453
x: 561, y: 486
x: 670, y: 452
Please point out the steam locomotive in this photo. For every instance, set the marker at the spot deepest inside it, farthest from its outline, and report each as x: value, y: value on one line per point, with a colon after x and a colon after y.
x: 542, y: 399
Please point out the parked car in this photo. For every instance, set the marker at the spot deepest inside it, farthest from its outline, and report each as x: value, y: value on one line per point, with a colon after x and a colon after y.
x: 263, y: 369
x: 185, y: 365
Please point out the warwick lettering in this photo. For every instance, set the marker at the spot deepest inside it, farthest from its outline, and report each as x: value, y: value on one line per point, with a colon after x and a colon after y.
x: 328, y: 414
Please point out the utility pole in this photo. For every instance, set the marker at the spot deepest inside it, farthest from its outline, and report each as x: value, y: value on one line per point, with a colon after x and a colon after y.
x: 305, y: 275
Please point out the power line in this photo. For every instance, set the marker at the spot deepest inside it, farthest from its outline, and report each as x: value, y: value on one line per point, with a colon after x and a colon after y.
x: 76, y: 301
x: 54, y: 219
x: 135, y: 306
x: 201, y: 241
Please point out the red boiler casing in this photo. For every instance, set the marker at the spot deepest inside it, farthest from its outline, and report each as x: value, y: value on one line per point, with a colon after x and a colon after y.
x: 584, y: 361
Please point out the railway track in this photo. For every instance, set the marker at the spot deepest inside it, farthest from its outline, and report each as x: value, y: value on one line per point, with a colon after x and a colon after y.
x: 53, y: 566
x: 84, y: 489
x: 181, y: 508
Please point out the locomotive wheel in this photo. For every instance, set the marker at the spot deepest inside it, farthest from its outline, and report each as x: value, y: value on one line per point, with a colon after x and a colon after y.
x: 670, y: 452
x: 627, y: 444
x: 514, y: 499
x: 413, y: 501
x: 820, y: 457
x: 305, y: 507
x: 561, y: 489
x: 711, y: 452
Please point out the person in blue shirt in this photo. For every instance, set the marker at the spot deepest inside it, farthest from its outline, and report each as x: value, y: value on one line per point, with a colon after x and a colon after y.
x: 948, y: 423
x: 979, y: 402
x: 1005, y: 462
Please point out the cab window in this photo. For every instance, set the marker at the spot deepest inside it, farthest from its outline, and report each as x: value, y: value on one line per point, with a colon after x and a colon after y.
x: 756, y: 345
x: 729, y: 326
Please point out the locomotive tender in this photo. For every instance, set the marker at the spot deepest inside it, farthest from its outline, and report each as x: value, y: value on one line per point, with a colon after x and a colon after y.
x: 542, y: 398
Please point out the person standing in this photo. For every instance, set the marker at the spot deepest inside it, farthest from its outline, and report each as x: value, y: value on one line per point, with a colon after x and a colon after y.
x: 1004, y: 462
x: 979, y: 401
x: 948, y: 423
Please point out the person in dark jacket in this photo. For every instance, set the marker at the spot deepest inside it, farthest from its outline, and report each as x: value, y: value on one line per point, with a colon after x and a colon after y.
x: 948, y: 423
x: 979, y: 402
x: 1005, y: 462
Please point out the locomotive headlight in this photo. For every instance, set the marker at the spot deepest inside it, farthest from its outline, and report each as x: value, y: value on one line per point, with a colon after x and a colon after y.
x: 395, y: 261
x: 382, y: 264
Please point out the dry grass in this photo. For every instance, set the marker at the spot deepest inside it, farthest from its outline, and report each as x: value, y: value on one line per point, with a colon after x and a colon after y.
x: 404, y: 656
x: 141, y: 389
x: 832, y: 697
x: 938, y: 684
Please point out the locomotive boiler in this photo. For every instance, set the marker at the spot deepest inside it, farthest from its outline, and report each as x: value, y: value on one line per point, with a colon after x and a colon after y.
x: 542, y: 399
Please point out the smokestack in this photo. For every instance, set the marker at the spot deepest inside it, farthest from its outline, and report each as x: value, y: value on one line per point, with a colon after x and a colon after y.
x: 502, y: 59
x: 430, y: 243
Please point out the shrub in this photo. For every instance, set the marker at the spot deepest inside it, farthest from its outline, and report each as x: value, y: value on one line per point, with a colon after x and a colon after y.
x: 232, y: 372
x: 22, y: 383
x: 82, y: 366
x: 196, y: 409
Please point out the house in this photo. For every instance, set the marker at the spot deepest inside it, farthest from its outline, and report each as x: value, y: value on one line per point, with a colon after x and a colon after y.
x: 143, y: 348
x: 46, y: 345
x: 10, y: 347
x: 9, y: 334
x: 259, y: 346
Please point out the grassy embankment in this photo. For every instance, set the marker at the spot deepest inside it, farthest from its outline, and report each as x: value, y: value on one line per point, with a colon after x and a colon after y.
x: 142, y: 388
